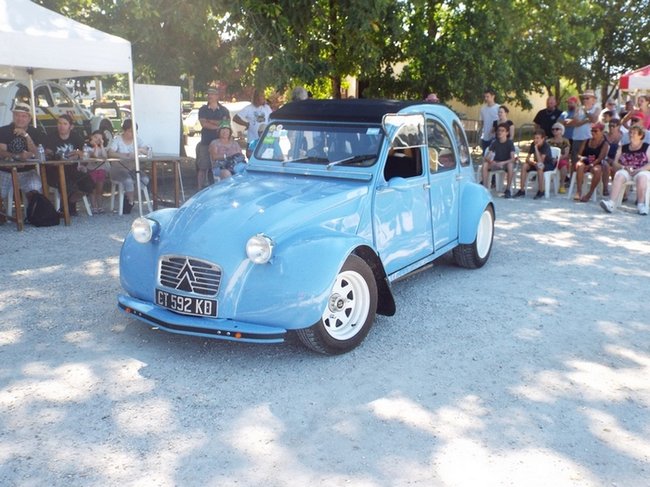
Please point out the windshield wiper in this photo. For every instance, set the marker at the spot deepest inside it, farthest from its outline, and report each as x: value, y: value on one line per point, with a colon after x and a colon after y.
x: 359, y: 158
x: 308, y: 159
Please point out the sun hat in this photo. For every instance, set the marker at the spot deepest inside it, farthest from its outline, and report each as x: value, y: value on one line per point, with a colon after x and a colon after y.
x: 588, y: 93
x: 22, y: 107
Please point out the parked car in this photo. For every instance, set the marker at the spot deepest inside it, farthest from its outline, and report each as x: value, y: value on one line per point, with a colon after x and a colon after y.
x: 191, y: 124
x: 52, y: 100
x: 340, y: 199
x: 111, y: 112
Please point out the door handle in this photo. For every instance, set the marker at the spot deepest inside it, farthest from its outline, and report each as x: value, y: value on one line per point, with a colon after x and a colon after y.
x: 426, y: 186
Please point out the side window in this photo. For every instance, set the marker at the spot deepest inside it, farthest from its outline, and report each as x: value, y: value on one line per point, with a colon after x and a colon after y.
x: 60, y: 98
x: 439, y: 145
x: 403, y: 163
x: 42, y: 97
x: 463, y: 148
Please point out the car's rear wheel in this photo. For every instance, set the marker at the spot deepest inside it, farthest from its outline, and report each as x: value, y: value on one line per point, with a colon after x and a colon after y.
x: 476, y: 254
x: 349, y: 313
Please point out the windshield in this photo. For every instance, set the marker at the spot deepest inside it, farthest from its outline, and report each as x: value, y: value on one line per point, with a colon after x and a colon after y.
x: 356, y: 145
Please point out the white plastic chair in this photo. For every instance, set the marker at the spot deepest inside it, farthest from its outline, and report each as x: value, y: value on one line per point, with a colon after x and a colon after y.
x: 57, y: 201
x: 117, y: 188
x: 586, y: 183
x: 632, y: 185
x: 549, y: 176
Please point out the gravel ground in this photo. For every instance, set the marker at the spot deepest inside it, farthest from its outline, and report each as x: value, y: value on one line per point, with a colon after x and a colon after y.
x: 532, y: 371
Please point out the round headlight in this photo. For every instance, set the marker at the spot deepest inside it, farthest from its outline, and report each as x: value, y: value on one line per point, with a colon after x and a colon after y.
x: 142, y: 229
x: 259, y: 249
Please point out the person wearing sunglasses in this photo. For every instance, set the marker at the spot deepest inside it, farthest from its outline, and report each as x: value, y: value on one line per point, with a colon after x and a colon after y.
x: 561, y: 142
x: 592, y: 153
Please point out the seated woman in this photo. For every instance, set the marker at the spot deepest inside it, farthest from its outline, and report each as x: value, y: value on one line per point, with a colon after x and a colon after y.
x: 67, y: 145
x: 592, y: 153
x: 124, y: 171
x: 632, y: 163
x: 97, y: 170
x: 558, y: 140
x: 221, y: 148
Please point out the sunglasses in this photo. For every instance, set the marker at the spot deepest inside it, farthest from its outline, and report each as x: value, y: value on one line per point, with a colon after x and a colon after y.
x: 635, y: 119
x: 613, y: 125
x: 555, y: 129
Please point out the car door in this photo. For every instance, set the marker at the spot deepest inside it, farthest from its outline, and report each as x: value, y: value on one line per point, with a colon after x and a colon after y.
x: 401, y: 210
x: 444, y: 190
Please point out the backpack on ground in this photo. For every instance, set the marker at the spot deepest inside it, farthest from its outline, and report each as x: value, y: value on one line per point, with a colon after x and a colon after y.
x: 41, y: 212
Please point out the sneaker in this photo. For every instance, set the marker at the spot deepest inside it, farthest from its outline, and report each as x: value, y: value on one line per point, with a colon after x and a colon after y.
x: 643, y: 208
x: 507, y: 194
x: 562, y: 190
x: 607, y: 205
x: 520, y: 193
x: 540, y: 194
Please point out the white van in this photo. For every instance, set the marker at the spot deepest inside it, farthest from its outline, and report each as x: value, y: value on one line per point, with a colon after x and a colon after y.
x: 52, y: 100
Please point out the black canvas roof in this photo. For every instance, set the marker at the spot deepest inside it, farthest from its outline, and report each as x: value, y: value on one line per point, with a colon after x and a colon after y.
x: 348, y: 110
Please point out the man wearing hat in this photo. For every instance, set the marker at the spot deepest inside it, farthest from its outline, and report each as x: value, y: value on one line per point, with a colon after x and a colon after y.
x: 211, y: 116
x: 19, y: 141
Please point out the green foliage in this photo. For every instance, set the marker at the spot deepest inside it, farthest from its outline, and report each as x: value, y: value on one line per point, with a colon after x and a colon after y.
x: 396, y: 48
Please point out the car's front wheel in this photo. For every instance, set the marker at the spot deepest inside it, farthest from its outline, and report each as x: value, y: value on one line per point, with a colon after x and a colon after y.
x: 349, y: 313
x: 476, y: 254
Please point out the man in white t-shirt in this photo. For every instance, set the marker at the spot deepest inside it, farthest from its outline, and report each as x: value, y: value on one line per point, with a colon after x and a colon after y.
x: 254, y: 115
x: 489, y: 115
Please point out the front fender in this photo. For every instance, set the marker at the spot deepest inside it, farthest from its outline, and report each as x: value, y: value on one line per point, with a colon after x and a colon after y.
x: 291, y: 291
x: 474, y: 199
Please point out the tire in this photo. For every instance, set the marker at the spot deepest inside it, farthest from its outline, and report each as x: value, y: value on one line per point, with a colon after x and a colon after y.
x: 349, y: 314
x: 476, y: 254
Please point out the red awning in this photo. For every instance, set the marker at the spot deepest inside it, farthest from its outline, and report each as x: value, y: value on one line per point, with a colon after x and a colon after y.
x: 636, y: 80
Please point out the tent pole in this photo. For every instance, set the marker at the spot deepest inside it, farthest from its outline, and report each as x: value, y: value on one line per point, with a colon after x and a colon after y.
x: 30, y: 71
x: 135, y: 142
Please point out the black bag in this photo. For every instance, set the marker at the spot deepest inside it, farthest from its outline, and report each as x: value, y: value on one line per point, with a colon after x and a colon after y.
x: 41, y: 212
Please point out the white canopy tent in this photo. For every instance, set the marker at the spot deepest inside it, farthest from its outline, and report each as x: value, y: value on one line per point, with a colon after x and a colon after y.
x: 36, y: 43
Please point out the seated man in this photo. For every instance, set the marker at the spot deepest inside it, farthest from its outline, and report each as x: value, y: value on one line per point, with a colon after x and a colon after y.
x: 19, y: 141
x: 500, y: 155
x: 539, y: 159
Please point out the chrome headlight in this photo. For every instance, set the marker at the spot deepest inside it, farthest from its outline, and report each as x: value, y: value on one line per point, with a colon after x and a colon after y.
x: 144, y: 229
x: 259, y: 249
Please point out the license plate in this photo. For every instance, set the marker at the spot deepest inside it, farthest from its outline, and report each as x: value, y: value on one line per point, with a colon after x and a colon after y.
x: 186, y: 305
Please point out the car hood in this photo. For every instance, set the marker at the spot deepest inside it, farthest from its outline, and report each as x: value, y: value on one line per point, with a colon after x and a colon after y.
x: 228, y: 213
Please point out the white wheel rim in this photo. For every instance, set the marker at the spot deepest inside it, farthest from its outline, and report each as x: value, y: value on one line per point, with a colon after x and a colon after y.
x: 347, y: 306
x: 484, y: 234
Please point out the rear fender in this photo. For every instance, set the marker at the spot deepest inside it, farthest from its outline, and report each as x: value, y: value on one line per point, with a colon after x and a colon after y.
x: 474, y: 200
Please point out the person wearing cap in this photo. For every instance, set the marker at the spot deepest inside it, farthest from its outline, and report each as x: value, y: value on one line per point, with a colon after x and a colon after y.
x: 19, y: 140
x: 211, y: 115
x: 546, y: 117
x: 593, y: 152
x: 221, y: 148
x: 634, y: 118
x: 586, y: 115
x: 561, y: 142
x: 632, y: 163
x: 642, y: 113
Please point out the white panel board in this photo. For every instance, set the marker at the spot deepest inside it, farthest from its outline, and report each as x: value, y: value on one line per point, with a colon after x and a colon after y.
x: 158, y: 113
